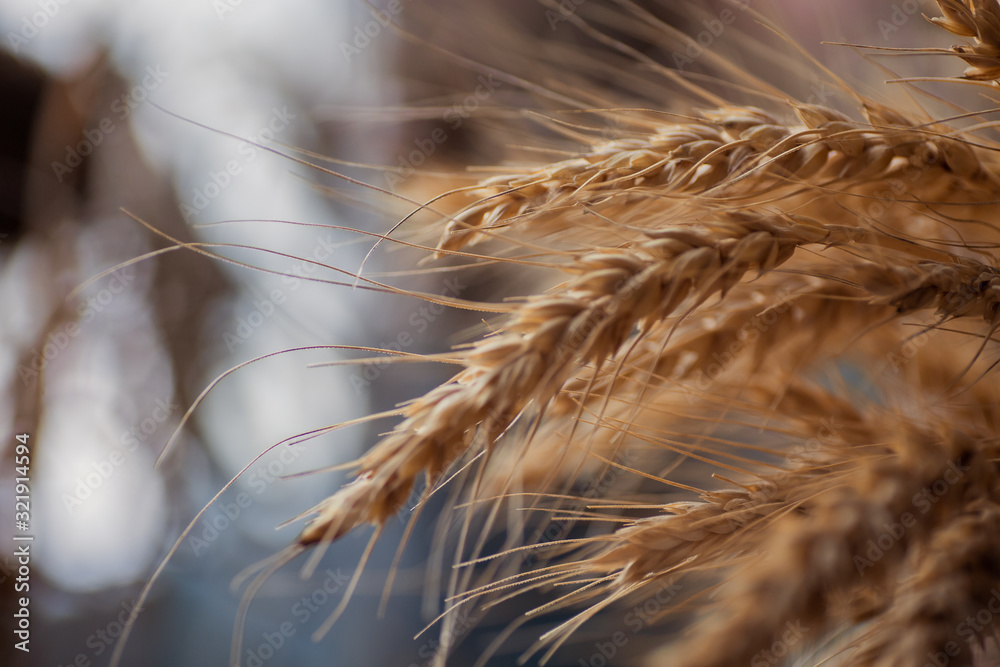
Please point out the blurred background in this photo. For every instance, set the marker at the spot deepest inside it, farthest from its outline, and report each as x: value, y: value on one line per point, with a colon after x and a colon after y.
x: 119, y: 112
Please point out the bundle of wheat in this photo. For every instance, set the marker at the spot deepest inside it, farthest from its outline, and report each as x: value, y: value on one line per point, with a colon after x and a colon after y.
x: 721, y: 269
x: 778, y: 325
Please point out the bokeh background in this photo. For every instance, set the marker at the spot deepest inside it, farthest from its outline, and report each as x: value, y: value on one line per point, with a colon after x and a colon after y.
x: 116, y: 112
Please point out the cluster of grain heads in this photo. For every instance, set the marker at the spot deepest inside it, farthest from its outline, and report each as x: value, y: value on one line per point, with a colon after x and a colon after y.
x: 726, y: 286
x: 548, y: 338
